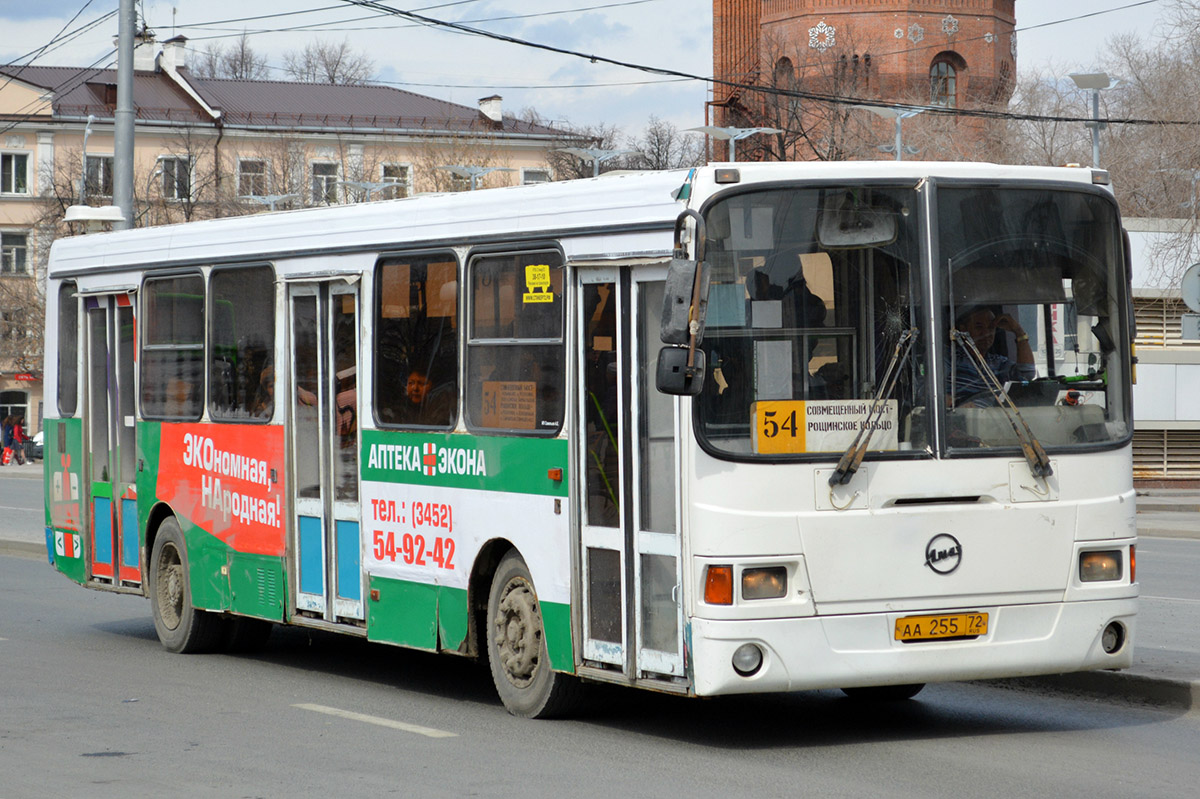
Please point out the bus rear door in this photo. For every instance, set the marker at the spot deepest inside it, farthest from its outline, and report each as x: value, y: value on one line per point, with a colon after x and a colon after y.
x: 115, y: 554
x: 630, y: 544
x: 323, y: 448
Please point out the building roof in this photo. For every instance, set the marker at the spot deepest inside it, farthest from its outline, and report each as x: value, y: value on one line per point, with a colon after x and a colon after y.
x: 280, y: 105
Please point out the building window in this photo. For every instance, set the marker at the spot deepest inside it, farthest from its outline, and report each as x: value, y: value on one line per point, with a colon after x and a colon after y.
x: 14, y: 325
x: 176, y: 178
x: 399, y: 174
x: 943, y: 81
x: 252, y: 178
x: 99, y: 175
x: 530, y: 176
x: 324, y: 184
x: 14, y: 173
x: 14, y: 253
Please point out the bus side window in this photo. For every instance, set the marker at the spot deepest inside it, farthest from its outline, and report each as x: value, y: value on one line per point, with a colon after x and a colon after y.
x: 242, y: 331
x: 416, y: 341
x: 172, y: 358
x: 68, y: 349
x: 515, y: 348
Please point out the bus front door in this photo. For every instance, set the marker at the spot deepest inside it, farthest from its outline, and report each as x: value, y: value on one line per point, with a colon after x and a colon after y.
x: 115, y: 555
x: 323, y: 449
x: 632, y: 617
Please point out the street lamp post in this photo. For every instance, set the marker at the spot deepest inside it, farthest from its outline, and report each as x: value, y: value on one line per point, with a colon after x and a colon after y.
x: 596, y: 155
x: 473, y: 173
x: 732, y: 135
x: 899, y: 114
x: 1095, y: 82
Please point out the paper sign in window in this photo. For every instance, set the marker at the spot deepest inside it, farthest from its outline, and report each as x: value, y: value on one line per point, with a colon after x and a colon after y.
x: 510, y: 404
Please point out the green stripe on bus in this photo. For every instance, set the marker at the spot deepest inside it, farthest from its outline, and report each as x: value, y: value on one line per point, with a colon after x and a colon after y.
x: 426, y: 616
x: 488, y: 463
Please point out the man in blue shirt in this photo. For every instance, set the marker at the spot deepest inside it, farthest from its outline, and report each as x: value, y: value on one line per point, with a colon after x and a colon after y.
x: 981, y: 325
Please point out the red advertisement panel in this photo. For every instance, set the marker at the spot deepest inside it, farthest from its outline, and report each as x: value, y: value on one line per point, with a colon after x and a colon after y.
x: 228, y: 479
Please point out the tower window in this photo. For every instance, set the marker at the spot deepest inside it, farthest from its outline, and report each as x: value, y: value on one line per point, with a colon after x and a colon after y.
x: 943, y: 79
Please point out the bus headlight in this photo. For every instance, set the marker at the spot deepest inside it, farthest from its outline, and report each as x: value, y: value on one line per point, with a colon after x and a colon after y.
x: 768, y: 583
x: 1100, y: 566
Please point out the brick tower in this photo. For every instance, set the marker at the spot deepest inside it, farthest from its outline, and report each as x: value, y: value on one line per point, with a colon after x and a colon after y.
x: 954, y: 53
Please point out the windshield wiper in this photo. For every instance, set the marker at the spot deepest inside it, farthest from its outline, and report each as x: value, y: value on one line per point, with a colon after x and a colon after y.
x: 1035, y: 455
x: 852, y: 458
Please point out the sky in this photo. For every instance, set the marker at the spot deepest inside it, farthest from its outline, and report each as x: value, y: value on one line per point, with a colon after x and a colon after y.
x: 674, y: 34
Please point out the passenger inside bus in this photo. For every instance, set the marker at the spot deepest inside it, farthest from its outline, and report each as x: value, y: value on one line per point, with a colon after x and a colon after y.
x: 425, y: 405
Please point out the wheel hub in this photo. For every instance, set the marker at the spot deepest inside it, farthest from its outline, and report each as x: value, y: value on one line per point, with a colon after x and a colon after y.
x: 518, y: 633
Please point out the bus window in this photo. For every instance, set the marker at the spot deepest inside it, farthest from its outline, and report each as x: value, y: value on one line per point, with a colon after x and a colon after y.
x: 242, y: 330
x: 1035, y: 307
x: 515, y: 346
x: 416, y: 341
x: 811, y: 295
x: 68, y: 349
x: 172, y: 362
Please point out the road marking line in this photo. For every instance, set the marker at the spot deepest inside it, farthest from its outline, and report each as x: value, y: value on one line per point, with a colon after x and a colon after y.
x: 16, y: 507
x: 1171, y: 599
x: 428, y: 732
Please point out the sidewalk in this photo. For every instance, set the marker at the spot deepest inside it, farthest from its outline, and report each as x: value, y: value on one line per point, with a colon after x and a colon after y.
x: 1164, y: 671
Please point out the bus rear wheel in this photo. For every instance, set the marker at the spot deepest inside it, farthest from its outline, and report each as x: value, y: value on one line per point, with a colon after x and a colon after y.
x: 516, y: 647
x: 181, y: 627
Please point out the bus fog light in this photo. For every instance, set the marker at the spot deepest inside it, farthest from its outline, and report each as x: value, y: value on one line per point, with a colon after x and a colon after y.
x: 1100, y: 566
x: 768, y: 583
x: 1112, y: 640
x: 747, y: 659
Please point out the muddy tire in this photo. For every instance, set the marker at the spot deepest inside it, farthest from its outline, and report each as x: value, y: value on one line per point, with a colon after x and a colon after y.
x: 884, y: 693
x: 181, y: 628
x: 516, y: 647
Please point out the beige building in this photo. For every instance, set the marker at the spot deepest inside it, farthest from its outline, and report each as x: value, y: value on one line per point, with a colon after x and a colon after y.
x: 215, y: 147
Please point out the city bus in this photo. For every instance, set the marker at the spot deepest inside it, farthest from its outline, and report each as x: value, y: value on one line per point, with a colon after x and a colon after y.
x: 752, y: 427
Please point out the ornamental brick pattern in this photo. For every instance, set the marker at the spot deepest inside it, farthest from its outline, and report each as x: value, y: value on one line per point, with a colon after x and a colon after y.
x: 904, y: 39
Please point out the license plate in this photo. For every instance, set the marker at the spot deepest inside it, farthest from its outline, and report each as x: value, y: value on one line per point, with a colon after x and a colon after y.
x: 932, y: 628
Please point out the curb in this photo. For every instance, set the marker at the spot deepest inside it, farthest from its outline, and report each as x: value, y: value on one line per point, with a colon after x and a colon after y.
x: 1121, y: 685
x: 23, y: 549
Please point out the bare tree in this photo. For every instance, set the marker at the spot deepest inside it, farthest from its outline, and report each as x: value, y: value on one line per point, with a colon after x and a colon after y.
x: 239, y: 61
x: 663, y: 146
x: 327, y: 62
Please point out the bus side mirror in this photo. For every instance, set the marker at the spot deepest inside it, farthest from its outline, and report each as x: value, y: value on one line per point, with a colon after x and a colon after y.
x: 674, y: 376
x: 685, y: 295
x: 680, y: 291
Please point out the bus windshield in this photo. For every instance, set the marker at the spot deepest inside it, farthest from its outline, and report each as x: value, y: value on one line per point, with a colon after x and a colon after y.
x: 812, y: 292
x: 817, y: 328
x: 1033, y: 284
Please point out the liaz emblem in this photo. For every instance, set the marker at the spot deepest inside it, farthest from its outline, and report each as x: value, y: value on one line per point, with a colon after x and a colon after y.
x: 943, y: 553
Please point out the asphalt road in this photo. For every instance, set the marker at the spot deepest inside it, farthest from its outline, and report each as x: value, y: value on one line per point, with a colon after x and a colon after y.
x: 91, y: 705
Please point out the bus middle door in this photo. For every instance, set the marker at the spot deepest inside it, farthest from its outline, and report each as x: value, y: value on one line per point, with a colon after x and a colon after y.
x: 114, y: 551
x: 632, y: 615
x: 323, y: 448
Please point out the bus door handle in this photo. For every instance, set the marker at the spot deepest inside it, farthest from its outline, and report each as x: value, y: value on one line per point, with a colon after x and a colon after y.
x: 675, y: 594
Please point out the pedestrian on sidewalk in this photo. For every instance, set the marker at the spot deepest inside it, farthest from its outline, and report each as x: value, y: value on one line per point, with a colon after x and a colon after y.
x: 7, y: 440
x: 18, y: 439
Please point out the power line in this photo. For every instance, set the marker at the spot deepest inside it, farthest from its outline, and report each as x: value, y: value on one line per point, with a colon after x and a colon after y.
x: 59, y: 39
x: 832, y: 99
x: 340, y: 25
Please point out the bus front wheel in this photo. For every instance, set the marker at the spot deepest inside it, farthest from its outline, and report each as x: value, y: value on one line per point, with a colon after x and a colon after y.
x: 181, y: 628
x: 516, y: 647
